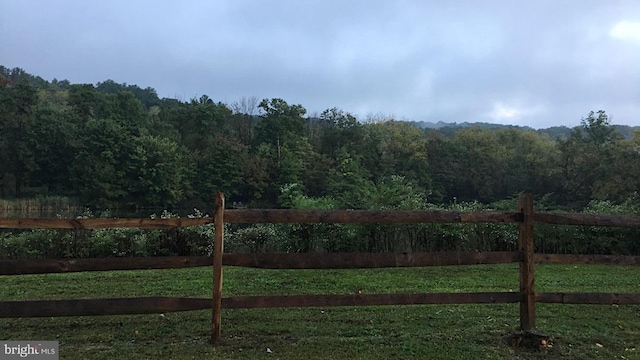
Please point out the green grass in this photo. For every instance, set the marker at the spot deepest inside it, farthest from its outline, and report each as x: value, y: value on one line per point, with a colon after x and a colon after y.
x: 385, y: 332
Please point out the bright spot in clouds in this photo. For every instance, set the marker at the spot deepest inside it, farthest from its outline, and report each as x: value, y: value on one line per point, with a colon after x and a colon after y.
x: 501, y: 112
x: 516, y: 112
x: 626, y: 30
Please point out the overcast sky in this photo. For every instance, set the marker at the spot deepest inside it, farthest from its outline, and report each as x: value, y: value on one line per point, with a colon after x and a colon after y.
x: 534, y: 63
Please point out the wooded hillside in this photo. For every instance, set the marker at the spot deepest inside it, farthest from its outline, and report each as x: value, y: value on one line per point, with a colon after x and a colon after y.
x: 112, y: 144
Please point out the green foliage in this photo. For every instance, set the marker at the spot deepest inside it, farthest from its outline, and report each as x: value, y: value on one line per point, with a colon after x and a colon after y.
x: 280, y: 122
x: 24, y: 245
x: 331, y: 237
x: 102, y: 243
x: 101, y: 166
x: 488, y: 165
x: 394, y: 193
x: 592, y: 239
x: 216, y: 168
x: 20, y: 76
x: 608, y: 240
x: 397, y: 193
x: 597, y: 130
x: 254, y: 239
x: 193, y: 240
x: 348, y: 180
x: 402, y: 152
x: 118, y: 145
x: 161, y: 167
x: 127, y: 111
x: 196, y: 121
x: 85, y: 101
x: 339, y: 130
x: 56, y: 136
x: 148, y: 97
x: 17, y: 148
x: 311, y: 237
x: 593, y: 161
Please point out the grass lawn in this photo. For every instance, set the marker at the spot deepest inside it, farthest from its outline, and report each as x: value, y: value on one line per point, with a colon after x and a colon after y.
x: 385, y: 332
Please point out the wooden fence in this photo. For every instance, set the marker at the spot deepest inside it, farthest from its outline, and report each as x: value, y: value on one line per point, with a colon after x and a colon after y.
x: 524, y: 218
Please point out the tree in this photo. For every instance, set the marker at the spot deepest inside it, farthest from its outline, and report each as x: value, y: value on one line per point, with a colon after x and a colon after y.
x: 246, y: 106
x: 244, y: 118
x: 442, y: 155
x: 338, y: 129
x: 219, y: 167
x: 621, y: 175
x: 396, y: 148
x: 597, y: 130
x: 20, y: 76
x: 55, y: 138
x: 255, y: 186
x: 281, y: 143
x: 280, y: 122
x: 586, y: 158
x: 530, y: 163
x: 100, y: 169
x: 157, y: 172
x: 490, y: 165
x: 148, y: 96
x: 196, y: 121
x: 17, y: 153
x: 86, y: 101
x: 128, y: 111
x: 348, y: 181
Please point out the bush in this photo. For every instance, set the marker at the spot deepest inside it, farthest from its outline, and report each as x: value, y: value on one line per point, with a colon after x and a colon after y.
x: 198, y: 240
x: 122, y: 242
x: 253, y: 239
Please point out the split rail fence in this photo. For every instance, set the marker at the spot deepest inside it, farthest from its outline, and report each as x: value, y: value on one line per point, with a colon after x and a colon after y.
x: 524, y: 218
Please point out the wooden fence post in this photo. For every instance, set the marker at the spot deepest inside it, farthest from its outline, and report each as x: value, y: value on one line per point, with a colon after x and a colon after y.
x: 218, y: 249
x: 527, y: 280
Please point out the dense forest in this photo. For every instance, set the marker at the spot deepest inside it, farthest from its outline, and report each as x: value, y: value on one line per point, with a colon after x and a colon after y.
x: 119, y: 145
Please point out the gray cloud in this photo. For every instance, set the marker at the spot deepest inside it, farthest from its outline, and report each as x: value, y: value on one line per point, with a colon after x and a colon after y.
x: 539, y: 63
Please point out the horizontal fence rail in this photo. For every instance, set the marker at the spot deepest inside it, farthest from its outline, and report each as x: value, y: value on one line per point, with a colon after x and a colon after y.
x: 587, y: 259
x: 262, y: 260
x: 96, y: 307
x: 280, y: 301
x: 301, y: 261
x: 159, y: 305
x: 101, y: 223
x: 48, y: 266
x: 588, y: 219
x: 366, y: 260
x: 589, y: 298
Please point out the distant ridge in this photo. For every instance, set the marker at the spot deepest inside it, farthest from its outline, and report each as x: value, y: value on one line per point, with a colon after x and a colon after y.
x: 483, y: 125
x: 553, y: 132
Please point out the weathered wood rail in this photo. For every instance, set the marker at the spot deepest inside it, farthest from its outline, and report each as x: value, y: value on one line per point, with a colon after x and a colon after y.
x: 525, y: 256
x: 301, y: 261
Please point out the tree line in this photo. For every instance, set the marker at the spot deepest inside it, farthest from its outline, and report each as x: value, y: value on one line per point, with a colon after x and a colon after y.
x: 119, y: 145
